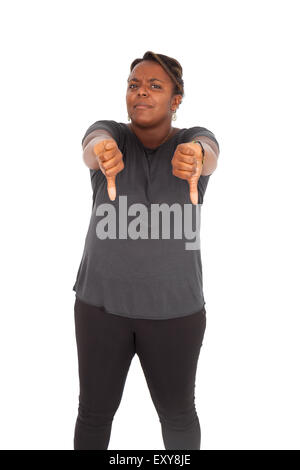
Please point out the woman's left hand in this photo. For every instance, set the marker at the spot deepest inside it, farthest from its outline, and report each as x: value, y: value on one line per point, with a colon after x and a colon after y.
x: 187, y: 164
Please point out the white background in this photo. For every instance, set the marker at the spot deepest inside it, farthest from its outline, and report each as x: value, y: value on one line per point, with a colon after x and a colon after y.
x: 64, y: 66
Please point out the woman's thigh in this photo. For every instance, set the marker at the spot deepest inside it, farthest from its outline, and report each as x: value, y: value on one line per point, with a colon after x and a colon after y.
x: 105, y: 346
x: 168, y: 351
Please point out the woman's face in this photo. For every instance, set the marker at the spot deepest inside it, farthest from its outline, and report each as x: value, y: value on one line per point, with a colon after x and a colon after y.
x: 142, y: 88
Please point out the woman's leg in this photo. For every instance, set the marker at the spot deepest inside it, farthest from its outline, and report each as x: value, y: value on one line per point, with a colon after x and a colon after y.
x: 168, y: 351
x: 105, y: 346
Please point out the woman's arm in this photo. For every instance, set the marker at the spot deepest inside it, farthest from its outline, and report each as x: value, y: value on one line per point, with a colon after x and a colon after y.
x: 89, y: 156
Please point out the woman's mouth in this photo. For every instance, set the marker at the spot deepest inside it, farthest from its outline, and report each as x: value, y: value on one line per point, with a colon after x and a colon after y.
x: 142, y: 106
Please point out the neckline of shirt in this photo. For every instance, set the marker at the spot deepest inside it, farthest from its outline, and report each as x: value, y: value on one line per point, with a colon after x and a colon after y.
x: 156, y: 148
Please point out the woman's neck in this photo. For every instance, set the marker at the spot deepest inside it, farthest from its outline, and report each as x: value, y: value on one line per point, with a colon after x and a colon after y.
x: 153, y: 137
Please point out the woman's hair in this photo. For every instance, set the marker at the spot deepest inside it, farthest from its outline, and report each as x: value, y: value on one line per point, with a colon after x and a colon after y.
x: 170, y: 65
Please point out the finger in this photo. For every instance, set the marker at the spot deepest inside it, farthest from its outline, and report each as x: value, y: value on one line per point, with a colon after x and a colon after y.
x: 111, y: 180
x: 115, y: 169
x: 109, y: 144
x: 183, y: 174
x: 103, y: 145
x: 111, y: 187
x: 106, y: 155
x: 185, y: 158
x: 186, y: 166
x: 186, y: 149
x: 193, y: 190
x: 107, y: 164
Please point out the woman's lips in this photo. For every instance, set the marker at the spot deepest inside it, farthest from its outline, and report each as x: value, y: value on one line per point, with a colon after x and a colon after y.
x: 141, y: 106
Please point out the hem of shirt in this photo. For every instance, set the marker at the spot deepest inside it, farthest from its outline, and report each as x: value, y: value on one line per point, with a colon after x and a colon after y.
x: 125, y: 315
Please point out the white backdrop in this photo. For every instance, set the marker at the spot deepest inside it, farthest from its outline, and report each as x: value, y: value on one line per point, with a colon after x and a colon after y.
x: 64, y: 66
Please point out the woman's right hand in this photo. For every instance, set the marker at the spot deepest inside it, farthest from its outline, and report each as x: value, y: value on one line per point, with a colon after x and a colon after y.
x: 110, y: 161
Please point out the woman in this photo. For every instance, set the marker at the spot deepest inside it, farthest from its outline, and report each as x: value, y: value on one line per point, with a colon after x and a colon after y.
x: 139, y: 283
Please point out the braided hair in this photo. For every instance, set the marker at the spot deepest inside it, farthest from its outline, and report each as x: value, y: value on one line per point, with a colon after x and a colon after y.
x: 170, y: 65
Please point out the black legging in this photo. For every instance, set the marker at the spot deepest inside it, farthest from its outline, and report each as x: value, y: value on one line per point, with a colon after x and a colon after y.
x: 168, y: 351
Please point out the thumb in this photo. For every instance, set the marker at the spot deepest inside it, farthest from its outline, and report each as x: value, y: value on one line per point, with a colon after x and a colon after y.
x: 111, y: 187
x: 193, y: 184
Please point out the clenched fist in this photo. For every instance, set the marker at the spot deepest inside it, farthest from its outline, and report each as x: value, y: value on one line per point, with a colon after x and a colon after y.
x: 187, y: 164
x: 110, y: 161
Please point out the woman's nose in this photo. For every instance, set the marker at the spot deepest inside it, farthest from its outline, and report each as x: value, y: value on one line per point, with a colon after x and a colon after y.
x: 142, y: 91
